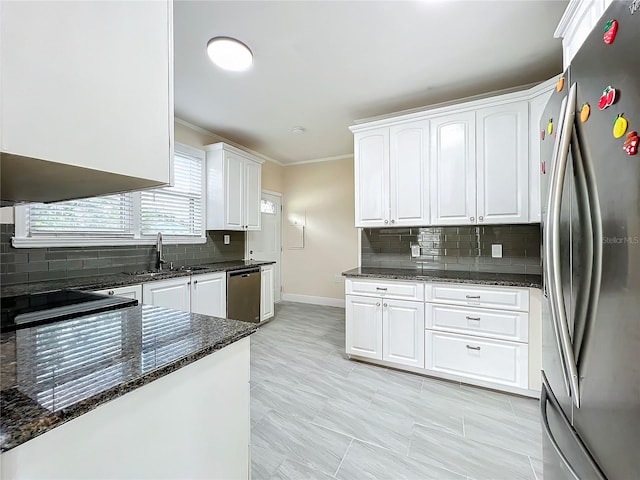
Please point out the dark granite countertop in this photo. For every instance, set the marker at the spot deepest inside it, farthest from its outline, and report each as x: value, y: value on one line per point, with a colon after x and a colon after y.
x: 119, y: 279
x: 50, y: 374
x: 448, y: 276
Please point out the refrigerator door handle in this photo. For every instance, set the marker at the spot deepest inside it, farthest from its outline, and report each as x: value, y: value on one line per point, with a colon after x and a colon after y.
x: 548, y: 240
x: 557, y: 294
x: 547, y: 397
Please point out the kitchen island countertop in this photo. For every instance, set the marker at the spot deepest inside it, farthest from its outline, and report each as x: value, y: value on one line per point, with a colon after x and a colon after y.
x: 447, y: 276
x: 55, y: 372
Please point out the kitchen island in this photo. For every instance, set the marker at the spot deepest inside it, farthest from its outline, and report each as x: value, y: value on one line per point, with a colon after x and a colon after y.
x: 141, y: 392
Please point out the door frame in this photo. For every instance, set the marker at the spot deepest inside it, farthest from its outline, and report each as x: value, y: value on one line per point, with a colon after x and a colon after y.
x: 246, y: 243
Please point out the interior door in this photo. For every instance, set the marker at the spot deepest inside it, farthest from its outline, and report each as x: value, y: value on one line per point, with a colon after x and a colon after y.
x: 266, y: 244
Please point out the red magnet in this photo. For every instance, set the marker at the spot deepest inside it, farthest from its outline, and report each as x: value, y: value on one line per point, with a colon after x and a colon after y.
x: 541, y: 134
x: 608, y: 98
x: 610, y: 31
x: 631, y: 143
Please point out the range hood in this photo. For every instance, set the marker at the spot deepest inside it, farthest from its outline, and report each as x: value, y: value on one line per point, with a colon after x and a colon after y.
x: 25, y: 179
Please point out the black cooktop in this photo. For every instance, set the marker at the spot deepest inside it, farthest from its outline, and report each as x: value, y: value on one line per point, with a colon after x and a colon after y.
x: 23, y: 311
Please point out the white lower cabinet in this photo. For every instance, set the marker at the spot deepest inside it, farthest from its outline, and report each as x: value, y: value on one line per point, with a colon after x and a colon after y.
x: 209, y: 294
x: 267, y: 308
x: 484, y: 359
x: 470, y: 333
x: 402, y: 327
x: 130, y: 291
x: 174, y: 293
x: 383, y: 328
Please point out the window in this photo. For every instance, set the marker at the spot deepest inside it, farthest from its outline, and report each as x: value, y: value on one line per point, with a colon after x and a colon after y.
x: 267, y: 207
x: 125, y: 218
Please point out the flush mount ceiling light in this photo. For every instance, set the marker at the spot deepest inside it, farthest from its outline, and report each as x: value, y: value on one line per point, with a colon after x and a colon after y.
x: 229, y: 54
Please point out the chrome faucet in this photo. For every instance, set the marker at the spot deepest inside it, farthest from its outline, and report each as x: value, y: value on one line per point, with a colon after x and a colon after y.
x: 159, y: 254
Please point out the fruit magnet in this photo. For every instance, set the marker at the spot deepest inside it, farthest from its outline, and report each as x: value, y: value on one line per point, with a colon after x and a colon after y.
x: 610, y: 31
x: 631, y: 143
x: 608, y: 98
x: 560, y: 84
x: 620, y: 125
x: 550, y: 126
x: 585, y: 111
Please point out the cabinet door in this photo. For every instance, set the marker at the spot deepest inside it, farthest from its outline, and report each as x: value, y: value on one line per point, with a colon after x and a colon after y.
x: 371, y: 154
x: 409, y: 174
x: 131, y: 291
x: 364, y: 326
x: 266, y: 297
x: 234, y: 191
x: 536, y: 109
x: 503, y: 163
x: 173, y: 293
x: 403, y: 332
x: 253, y: 195
x: 453, y: 169
x: 209, y: 294
x: 96, y: 63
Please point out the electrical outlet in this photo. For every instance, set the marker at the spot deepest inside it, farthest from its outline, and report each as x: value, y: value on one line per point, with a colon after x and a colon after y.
x: 496, y: 250
x: 415, y: 251
x: 337, y: 278
x: 227, y: 239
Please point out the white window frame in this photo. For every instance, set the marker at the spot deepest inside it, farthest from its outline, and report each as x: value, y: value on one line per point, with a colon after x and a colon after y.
x: 23, y: 240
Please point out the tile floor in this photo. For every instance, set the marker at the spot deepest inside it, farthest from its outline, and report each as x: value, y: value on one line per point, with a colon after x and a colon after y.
x: 315, y: 414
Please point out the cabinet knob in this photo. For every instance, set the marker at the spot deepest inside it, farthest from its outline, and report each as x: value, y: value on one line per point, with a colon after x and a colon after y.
x: 111, y: 292
x: 385, y: 305
x: 378, y: 304
x: 472, y: 219
x: 195, y: 282
x: 481, y: 218
x: 393, y: 221
x: 386, y: 221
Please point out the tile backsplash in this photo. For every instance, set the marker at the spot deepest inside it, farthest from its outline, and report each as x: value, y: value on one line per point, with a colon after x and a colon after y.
x: 27, y: 265
x: 454, y: 248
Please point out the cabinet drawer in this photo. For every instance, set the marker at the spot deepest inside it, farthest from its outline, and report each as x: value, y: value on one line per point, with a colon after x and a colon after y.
x: 386, y: 289
x: 479, y: 358
x: 131, y: 291
x: 506, y: 298
x: 500, y: 324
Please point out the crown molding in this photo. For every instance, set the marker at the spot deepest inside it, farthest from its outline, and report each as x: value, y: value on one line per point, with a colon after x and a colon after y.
x: 320, y: 160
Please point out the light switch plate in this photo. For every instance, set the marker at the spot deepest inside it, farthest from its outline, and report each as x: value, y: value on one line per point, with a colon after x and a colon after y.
x: 415, y: 251
x: 227, y: 239
x: 496, y: 250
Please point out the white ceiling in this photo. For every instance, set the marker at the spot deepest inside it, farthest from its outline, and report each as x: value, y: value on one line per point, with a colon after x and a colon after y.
x: 323, y: 64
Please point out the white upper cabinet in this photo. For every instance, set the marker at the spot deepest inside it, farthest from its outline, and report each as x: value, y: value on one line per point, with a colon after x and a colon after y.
x: 503, y: 163
x: 371, y: 154
x: 453, y: 169
x: 234, y: 184
x: 87, y: 88
x: 391, y: 171
x: 576, y: 24
x: 409, y: 174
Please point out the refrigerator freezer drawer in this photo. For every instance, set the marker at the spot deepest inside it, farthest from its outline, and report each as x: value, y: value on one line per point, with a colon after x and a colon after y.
x: 498, y: 324
x: 504, y: 298
x: 386, y: 289
x: 479, y: 358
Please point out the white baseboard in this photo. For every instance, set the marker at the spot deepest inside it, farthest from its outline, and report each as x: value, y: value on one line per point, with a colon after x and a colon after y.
x: 329, y: 302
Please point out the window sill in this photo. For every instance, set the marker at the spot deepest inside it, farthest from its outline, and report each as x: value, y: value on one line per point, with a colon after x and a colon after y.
x: 44, y: 242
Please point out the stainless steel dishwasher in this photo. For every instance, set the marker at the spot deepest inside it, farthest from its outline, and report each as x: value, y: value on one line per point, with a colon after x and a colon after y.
x: 243, y: 294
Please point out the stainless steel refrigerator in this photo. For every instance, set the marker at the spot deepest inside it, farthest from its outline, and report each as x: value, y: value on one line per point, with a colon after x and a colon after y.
x: 590, y: 402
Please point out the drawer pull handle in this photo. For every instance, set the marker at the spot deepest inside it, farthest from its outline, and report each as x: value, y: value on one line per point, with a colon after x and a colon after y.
x: 476, y: 319
x: 380, y: 288
x: 476, y: 297
x: 473, y: 348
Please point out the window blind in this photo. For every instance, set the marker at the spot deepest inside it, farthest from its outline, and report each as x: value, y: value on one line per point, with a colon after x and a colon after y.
x: 108, y: 215
x: 176, y: 210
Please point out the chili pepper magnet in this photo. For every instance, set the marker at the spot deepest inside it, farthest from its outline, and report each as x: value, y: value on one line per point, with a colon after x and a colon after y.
x: 608, y: 98
x: 610, y: 31
x: 620, y: 125
x: 631, y: 143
